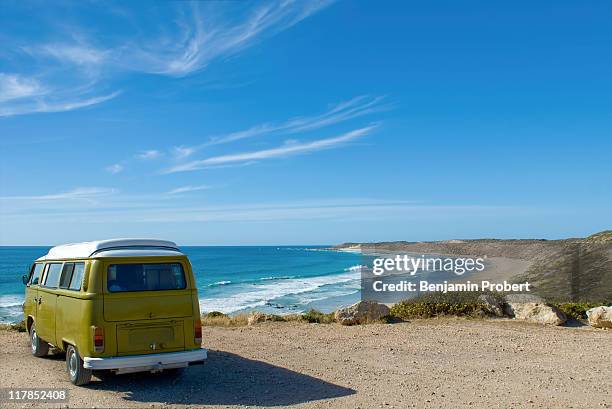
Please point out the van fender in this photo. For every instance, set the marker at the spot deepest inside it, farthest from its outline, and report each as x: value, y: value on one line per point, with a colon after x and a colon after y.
x: 29, y: 322
x: 64, y: 344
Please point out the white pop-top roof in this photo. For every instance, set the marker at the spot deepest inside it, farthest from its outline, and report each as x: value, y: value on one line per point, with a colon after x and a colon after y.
x: 89, y: 248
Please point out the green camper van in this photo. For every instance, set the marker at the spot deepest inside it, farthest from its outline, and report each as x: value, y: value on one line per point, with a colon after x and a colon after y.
x: 123, y: 305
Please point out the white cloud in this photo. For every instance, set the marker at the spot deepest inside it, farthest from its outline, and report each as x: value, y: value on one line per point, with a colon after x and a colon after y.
x: 282, y: 151
x: 353, y: 108
x: 69, y: 74
x: 60, y: 102
x: 186, y: 189
x: 115, y: 168
x: 15, y: 86
x: 79, y: 54
x: 182, y: 151
x: 207, y: 34
x: 77, y: 193
x: 150, y: 154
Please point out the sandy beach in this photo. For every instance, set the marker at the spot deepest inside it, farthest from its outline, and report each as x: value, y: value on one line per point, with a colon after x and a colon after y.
x: 424, y: 363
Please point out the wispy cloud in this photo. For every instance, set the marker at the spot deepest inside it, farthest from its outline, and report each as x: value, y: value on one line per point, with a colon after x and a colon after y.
x: 205, y: 35
x: 353, y: 108
x: 15, y: 86
x: 182, y: 151
x: 21, y: 95
x: 149, y: 154
x: 75, y: 72
x: 281, y: 151
x: 80, y: 54
x: 119, y: 210
x: 186, y: 189
x: 77, y: 193
x: 114, y: 168
x: 344, y: 111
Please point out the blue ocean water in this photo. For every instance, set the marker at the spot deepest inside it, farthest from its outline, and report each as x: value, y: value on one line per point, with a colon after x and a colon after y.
x: 231, y: 279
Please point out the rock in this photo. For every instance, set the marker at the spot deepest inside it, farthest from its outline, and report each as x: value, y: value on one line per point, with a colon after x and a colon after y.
x: 535, y: 312
x: 523, y: 298
x: 491, y: 305
x: 600, y: 317
x: 361, y: 313
x: 257, y: 317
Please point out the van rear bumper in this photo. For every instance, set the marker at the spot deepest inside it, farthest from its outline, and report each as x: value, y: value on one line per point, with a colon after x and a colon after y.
x: 149, y: 362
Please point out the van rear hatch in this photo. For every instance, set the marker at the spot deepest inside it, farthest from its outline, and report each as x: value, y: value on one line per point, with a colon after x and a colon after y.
x: 149, y: 302
x: 146, y: 291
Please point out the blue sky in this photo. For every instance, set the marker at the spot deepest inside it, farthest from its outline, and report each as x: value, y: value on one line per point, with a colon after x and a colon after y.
x: 304, y: 122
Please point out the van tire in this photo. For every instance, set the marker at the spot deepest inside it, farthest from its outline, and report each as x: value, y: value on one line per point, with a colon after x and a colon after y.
x: 40, y: 347
x: 78, y: 375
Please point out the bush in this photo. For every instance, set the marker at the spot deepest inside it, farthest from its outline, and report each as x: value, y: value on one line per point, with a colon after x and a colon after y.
x: 576, y: 310
x: 19, y: 327
x: 217, y: 319
x: 314, y: 316
x: 214, y: 314
x: 440, y: 304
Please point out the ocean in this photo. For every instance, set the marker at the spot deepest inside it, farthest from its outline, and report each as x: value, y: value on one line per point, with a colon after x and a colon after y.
x: 275, y: 279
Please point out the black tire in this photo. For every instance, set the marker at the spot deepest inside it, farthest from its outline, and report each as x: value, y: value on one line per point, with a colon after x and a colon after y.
x: 78, y: 375
x: 40, y: 347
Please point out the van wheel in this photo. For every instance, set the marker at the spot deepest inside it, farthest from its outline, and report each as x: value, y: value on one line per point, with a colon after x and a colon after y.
x: 74, y: 363
x: 40, y: 348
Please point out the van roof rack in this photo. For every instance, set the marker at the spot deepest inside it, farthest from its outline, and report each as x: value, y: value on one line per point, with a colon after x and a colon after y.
x: 89, y: 248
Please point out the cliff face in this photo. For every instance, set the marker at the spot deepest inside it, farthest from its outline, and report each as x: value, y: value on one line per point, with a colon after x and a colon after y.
x: 580, y: 270
x: 576, y: 269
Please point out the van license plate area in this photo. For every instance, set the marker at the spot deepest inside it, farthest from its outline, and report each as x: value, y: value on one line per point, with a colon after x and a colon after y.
x: 150, y: 339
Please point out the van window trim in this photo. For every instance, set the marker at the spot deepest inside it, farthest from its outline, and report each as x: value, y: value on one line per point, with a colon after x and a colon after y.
x: 32, y: 270
x: 59, y: 284
x: 47, y: 267
x: 72, y: 276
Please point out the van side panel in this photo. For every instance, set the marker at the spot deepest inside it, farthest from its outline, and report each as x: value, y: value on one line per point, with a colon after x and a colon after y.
x: 45, y: 315
x: 73, y: 315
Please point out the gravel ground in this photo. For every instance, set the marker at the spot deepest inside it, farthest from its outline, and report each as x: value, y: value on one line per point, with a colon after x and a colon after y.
x: 424, y: 363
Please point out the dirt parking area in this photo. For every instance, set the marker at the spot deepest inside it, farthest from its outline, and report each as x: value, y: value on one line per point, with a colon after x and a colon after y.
x: 425, y: 364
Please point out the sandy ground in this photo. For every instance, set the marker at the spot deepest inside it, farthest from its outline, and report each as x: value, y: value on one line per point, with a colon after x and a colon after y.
x: 424, y: 363
x: 499, y: 269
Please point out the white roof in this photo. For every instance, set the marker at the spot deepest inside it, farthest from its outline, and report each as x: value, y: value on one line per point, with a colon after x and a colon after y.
x: 89, y: 248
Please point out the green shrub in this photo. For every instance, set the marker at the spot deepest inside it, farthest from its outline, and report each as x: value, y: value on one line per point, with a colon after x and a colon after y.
x: 440, y: 304
x: 576, y: 310
x: 20, y: 327
x: 314, y: 316
x: 214, y: 314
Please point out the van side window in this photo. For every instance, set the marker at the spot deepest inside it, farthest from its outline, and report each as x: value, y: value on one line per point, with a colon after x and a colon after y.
x: 53, y: 275
x: 35, y: 274
x: 66, y: 275
x: 77, y: 276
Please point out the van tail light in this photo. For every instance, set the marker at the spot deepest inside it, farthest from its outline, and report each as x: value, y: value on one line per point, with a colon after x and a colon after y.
x: 197, y: 331
x: 98, y: 339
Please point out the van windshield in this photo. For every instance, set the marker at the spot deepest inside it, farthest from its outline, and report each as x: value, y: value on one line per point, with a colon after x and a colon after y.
x: 145, y: 277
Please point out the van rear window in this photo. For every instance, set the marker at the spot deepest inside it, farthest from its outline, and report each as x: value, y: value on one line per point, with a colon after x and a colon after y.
x: 145, y: 277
